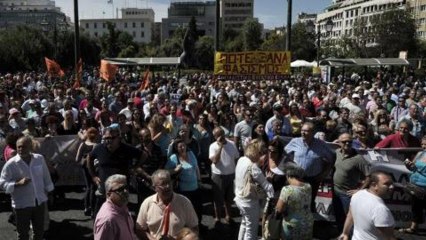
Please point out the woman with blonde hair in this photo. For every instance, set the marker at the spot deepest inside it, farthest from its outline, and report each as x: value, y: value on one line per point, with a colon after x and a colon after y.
x: 248, y: 201
x: 187, y: 234
x: 159, y: 133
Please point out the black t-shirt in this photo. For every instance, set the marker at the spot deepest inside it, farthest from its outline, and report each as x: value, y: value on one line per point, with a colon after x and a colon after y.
x: 118, y: 162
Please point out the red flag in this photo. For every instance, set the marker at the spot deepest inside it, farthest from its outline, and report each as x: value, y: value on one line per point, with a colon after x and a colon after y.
x: 79, y: 73
x: 145, y: 81
x: 53, y: 68
x: 107, y: 71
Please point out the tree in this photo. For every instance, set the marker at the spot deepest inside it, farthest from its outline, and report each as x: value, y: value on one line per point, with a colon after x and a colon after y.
x: 109, y: 42
x: 204, y: 52
x: 252, y: 35
x: 303, y: 43
x: 172, y: 47
x: 274, y: 42
x: 23, y: 48
x: 394, y: 31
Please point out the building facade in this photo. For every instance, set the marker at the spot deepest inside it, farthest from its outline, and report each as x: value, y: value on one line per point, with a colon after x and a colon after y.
x: 344, y: 14
x: 139, y: 23
x: 181, y: 12
x: 306, y: 17
x: 235, y: 12
x: 41, y: 14
x: 418, y: 9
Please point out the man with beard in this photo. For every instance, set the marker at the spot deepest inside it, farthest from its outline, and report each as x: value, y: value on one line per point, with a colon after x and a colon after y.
x: 368, y: 213
x: 112, y: 157
x: 113, y: 220
x: 165, y: 213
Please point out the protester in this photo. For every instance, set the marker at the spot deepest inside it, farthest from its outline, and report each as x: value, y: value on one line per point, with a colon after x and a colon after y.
x: 350, y: 169
x: 223, y: 154
x: 313, y: 155
x: 112, y: 157
x: 155, y: 219
x: 248, y: 202
x: 368, y: 213
x: 26, y: 178
x: 113, y: 220
x: 417, y: 168
x: 183, y: 166
x: 81, y: 158
x: 293, y: 204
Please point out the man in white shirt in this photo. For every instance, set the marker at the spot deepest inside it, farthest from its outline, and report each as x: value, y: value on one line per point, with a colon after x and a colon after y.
x: 223, y: 154
x: 368, y: 213
x: 26, y: 178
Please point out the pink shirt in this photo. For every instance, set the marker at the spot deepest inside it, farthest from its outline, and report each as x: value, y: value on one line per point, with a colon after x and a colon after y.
x: 113, y: 222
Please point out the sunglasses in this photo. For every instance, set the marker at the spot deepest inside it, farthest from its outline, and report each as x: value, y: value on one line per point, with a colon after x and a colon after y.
x: 120, y: 189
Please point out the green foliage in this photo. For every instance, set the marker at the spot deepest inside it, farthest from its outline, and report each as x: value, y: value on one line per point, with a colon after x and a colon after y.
x: 23, y: 48
x: 394, y: 31
x: 275, y: 42
x: 303, y: 43
x: 252, y: 35
x: 204, y: 52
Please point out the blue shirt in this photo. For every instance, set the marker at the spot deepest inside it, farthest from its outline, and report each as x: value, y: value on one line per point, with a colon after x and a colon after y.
x: 188, y: 179
x: 310, y: 157
x: 418, y: 177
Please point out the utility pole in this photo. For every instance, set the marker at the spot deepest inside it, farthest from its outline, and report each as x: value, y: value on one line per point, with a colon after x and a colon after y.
x: 217, y: 35
x: 76, y: 36
x: 288, y: 36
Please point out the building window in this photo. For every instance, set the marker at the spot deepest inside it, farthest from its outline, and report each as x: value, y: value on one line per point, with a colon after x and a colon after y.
x: 142, y: 24
x: 125, y: 25
x: 103, y: 25
x: 134, y: 25
x: 87, y: 25
x: 95, y: 25
x: 142, y: 34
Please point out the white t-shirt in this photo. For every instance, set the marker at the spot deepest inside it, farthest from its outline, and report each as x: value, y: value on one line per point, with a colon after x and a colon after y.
x: 229, y: 154
x: 369, y: 212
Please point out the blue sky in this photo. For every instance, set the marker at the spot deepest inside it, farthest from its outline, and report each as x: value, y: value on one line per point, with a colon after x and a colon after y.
x: 272, y: 13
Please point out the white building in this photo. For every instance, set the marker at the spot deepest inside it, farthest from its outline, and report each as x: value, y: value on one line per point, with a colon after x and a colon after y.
x: 344, y: 13
x: 418, y: 9
x: 139, y: 23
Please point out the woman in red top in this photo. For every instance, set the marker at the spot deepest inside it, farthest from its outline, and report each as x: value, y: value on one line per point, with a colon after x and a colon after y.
x: 401, y: 139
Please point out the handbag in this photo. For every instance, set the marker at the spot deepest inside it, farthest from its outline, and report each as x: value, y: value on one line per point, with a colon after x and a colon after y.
x: 251, y: 187
x: 414, y: 190
x: 273, y: 226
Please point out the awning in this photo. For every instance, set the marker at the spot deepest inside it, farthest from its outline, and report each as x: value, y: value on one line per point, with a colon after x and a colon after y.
x: 342, y: 62
x: 144, y: 61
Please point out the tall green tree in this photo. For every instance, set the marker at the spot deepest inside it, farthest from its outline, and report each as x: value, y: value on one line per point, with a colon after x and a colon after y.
x: 274, y: 42
x: 204, y: 52
x: 109, y: 42
x: 394, y: 31
x: 303, y: 43
x: 24, y: 48
x: 252, y: 35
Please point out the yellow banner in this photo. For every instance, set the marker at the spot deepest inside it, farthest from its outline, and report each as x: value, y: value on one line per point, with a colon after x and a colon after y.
x: 253, y: 65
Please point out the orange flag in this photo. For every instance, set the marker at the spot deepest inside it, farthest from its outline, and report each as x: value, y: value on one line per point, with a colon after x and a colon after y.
x: 145, y: 81
x: 107, y: 71
x: 79, y: 73
x: 53, y: 68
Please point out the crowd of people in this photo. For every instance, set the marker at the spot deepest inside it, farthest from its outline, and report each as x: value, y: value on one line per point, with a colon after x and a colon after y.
x: 264, y: 146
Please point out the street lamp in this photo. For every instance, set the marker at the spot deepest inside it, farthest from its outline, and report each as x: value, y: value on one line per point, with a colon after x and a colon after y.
x: 310, y: 27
